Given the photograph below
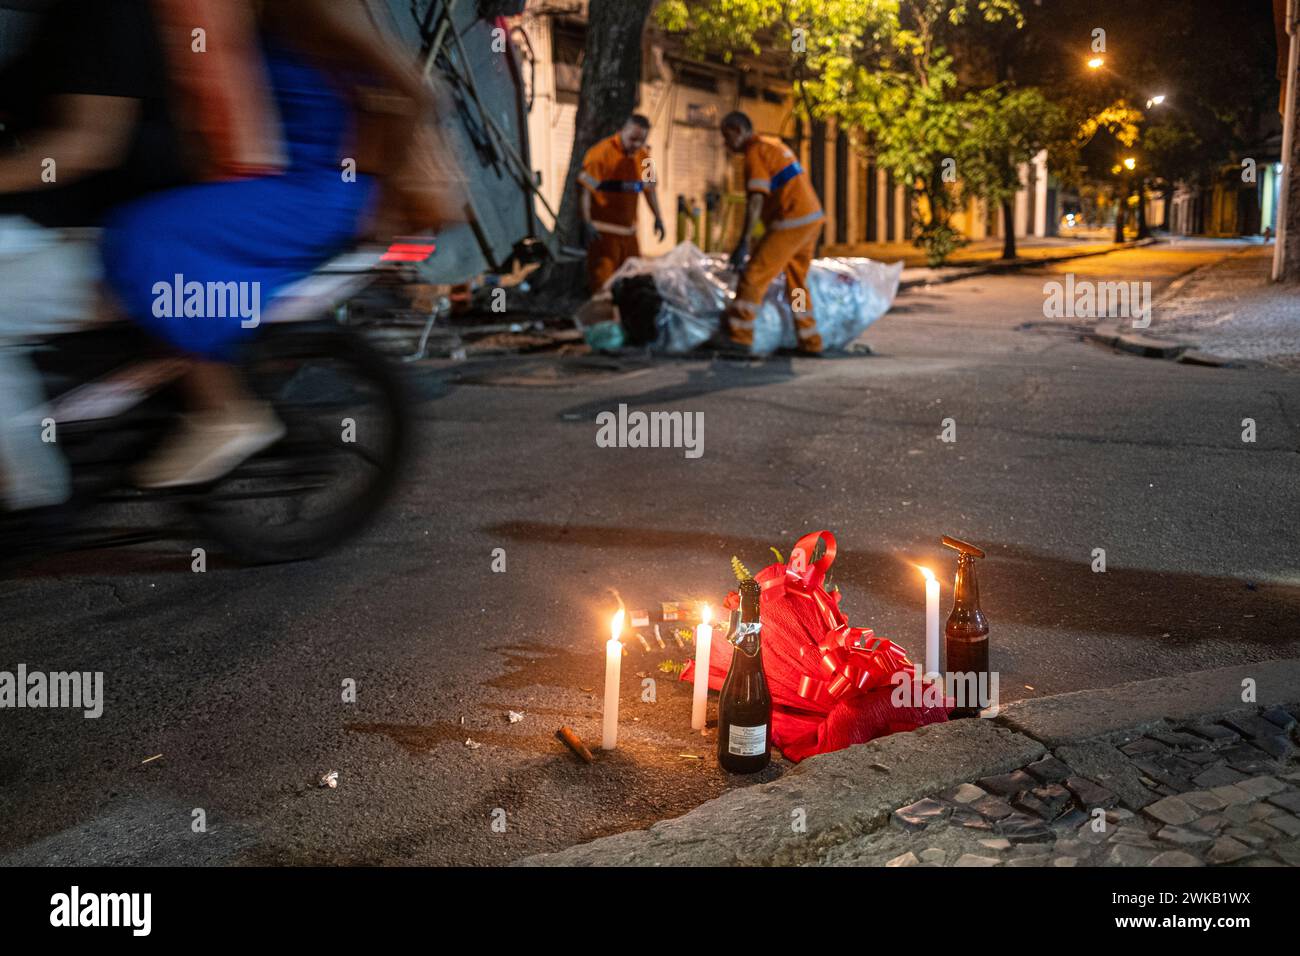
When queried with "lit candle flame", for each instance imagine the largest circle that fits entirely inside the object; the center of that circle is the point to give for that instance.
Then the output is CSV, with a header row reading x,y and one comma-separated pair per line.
x,y
929,575
706,615
616,625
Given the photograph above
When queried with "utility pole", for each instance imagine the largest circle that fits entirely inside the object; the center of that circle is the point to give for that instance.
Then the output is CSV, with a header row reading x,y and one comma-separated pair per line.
x,y
1286,251
1143,231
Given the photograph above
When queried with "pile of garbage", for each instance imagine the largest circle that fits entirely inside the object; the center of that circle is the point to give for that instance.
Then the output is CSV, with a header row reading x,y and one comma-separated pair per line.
x,y
675,303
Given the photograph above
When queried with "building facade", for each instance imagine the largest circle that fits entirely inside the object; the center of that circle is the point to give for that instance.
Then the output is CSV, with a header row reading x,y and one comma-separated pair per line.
x,y
1229,206
685,100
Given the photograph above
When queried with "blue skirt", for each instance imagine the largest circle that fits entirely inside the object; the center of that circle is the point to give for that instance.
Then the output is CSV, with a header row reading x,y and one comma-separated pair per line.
x,y
261,234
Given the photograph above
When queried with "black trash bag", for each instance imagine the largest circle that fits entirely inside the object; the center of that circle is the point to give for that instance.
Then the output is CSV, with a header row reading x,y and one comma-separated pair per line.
x,y
638,304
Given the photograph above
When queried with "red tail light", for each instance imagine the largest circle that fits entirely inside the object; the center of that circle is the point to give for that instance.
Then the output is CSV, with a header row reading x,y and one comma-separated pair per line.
x,y
409,252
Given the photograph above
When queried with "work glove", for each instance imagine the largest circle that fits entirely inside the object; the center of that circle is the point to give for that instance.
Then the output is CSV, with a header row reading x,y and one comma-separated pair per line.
x,y
589,235
660,232
740,256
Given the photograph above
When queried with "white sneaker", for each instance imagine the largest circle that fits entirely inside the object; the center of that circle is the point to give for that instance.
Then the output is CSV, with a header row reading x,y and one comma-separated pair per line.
x,y
210,445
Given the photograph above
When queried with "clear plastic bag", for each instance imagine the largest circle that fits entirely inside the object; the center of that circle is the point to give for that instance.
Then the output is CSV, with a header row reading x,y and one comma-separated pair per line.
x,y
848,295
680,331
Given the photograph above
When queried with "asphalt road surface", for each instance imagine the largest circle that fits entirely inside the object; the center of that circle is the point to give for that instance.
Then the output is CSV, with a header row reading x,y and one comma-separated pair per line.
x,y
232,680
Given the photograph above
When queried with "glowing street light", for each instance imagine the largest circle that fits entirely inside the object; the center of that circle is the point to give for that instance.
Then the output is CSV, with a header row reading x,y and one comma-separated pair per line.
x,y
1130,163
1096,63
1156,100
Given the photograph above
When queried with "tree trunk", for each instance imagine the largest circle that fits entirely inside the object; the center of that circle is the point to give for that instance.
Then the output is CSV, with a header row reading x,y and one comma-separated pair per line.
x,y
1119,216
1008,229
611,78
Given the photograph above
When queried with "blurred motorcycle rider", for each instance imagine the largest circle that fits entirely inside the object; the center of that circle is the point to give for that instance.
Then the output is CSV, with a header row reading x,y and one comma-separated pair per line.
x,y
346,105
86,126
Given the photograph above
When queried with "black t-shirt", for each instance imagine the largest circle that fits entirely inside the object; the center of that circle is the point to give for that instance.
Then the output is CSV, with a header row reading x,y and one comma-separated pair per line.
x,y
94,48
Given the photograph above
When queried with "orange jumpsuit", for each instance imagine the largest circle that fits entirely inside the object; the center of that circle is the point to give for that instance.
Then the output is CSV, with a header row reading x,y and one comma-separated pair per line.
x,y
615,180
792,217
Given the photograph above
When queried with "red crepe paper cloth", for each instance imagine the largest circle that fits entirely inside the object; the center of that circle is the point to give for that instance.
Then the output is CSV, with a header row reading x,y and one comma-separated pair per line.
x,y
831,684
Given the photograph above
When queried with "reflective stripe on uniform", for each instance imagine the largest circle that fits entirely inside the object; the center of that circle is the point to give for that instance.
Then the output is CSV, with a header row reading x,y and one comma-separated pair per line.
x,y
759,185
801,221
588,180
787,174
808,331
614,230
745,305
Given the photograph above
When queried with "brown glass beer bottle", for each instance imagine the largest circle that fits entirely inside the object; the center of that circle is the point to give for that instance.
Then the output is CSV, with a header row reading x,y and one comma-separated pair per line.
x,y
745,704
966,644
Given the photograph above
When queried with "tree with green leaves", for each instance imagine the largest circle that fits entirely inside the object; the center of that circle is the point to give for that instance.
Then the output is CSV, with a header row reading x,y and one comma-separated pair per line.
x,y
883,66
1002,129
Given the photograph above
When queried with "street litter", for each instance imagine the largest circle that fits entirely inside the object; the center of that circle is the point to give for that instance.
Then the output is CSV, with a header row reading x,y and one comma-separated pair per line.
x,y
150,759
674,303
472,744
571,740
514,716
330,780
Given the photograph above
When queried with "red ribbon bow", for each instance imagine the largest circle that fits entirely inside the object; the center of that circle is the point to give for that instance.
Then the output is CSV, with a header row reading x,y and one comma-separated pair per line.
x,y
849,660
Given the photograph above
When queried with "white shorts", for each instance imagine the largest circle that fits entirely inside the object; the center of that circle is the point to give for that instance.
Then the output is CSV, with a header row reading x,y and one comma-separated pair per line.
x,y
49,284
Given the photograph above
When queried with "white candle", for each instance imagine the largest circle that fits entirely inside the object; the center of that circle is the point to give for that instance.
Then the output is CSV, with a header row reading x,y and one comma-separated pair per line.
x,y
703,641
613,667
931,624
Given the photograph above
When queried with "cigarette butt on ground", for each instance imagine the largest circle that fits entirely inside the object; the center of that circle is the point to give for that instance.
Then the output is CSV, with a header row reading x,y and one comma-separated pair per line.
x,y
574,743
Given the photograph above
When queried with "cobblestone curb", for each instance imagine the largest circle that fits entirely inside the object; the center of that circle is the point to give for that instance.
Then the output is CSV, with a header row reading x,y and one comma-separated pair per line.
x,y
1201,793
825,800
1067,718
1170,772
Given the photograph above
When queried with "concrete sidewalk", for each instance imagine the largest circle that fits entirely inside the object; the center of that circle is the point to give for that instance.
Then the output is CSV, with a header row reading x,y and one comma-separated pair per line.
x,y
985,257
1225,313
978,252
1233,310
1175,771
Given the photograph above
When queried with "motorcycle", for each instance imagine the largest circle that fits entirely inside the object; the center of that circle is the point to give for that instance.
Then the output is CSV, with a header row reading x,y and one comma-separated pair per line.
x,y
113,398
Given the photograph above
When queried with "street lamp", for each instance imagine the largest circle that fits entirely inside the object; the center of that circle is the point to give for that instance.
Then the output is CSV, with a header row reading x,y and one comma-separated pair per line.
x,y
1156,100
1130,163
1096,63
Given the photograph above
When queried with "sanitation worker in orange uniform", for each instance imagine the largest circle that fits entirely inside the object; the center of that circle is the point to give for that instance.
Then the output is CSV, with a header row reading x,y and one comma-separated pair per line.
x,y
614,173
781,195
